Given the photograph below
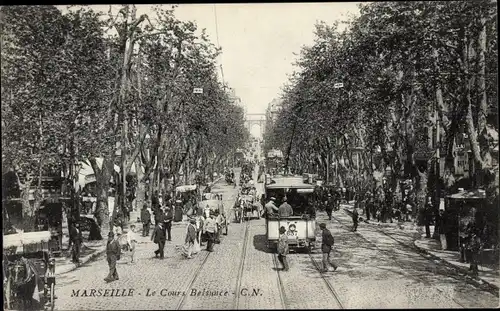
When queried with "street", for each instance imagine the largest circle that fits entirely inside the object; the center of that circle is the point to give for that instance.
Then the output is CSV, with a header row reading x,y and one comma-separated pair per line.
x,y
365,133
377,269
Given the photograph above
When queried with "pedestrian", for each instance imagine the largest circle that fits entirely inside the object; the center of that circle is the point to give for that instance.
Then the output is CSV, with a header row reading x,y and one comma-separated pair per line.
x,y
159,215
285,210
475,248
190,238
441,227
329,207
283,248
158,237
75,235
428,217
131,242
271,208
210,227
355,218
146,220
218,221
368,205
113,253
326,247
169,216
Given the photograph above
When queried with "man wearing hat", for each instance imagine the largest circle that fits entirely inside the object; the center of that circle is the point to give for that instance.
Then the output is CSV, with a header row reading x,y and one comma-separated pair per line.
x,y
113,253
329,206
190,237
158,237
210,227
283,248
169,216
285,210
326,247
146,220
271,208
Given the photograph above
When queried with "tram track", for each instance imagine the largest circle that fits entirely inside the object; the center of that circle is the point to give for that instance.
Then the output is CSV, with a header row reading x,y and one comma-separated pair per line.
x,y
392,256
283,298
182,301
239,277
330,287
194,278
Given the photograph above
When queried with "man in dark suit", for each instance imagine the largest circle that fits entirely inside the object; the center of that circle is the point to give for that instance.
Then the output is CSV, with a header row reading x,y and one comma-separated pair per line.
x,y
169,216
326,248
75,235
113,253
146,220
158,237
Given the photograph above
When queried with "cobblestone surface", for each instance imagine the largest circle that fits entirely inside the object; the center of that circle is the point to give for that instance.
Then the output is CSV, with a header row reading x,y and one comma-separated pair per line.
x,y
259,272
376,270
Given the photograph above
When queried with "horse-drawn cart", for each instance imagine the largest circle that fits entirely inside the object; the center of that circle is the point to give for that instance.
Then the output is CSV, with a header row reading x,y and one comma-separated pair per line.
x,y
251,209
29,270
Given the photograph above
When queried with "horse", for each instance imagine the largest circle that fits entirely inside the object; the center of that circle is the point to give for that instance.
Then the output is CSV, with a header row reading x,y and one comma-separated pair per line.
x,y
22,280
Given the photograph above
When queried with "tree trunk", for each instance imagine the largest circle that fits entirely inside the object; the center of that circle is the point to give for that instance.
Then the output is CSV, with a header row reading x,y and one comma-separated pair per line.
x,y
103,178
140,195
28,224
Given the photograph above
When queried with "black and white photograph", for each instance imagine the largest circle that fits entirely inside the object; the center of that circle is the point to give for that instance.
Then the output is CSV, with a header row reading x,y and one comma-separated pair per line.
x,y
241,156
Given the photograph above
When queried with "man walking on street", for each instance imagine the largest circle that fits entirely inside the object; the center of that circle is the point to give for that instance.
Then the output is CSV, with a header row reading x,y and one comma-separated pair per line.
x,y
210,228
146,220
132,242
475,248
326,248
158,237
76,237
285,210
169,216
190,237
218,221
355,218
283,248
113,253
441,226
428,210
329,207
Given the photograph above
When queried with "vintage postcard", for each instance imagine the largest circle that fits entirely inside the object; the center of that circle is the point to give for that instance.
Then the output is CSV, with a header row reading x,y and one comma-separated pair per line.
x,y
250,156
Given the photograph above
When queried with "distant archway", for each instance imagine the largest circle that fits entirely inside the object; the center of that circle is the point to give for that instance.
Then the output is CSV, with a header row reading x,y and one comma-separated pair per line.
x,y
256,130
253,119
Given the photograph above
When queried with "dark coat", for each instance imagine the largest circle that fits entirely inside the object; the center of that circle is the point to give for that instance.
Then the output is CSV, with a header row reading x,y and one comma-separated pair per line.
x,y
75,235
355,215
169,216
327,241
159,235
113,250
145,216
191,234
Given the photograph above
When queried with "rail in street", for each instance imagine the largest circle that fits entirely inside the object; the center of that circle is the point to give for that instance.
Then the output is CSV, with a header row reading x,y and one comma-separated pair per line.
x,y
377,268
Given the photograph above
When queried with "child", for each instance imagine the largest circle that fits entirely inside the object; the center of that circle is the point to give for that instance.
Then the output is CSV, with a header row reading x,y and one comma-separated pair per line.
x,y
131,241
283,248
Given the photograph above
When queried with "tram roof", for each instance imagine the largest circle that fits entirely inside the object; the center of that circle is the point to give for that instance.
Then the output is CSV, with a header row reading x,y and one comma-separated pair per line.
x,y
288,182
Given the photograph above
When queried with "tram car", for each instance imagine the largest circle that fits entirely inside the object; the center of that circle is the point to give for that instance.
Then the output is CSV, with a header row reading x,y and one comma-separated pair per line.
x,y
301,226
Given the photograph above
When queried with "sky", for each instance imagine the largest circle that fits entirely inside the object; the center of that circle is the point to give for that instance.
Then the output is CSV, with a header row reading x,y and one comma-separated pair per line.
x,y
259,41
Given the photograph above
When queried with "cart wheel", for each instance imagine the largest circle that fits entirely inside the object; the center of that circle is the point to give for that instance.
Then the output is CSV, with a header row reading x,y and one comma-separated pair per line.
x,y
52,302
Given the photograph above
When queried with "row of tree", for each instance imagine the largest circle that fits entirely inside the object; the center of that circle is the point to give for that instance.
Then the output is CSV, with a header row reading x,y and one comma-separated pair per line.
x,y
418,77
86,85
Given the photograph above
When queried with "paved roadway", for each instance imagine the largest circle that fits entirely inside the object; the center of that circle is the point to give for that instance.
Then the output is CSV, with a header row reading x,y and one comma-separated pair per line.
x,y
377,269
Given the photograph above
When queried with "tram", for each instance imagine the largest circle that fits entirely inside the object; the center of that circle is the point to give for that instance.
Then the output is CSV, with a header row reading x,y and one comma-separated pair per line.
x,y
301,226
